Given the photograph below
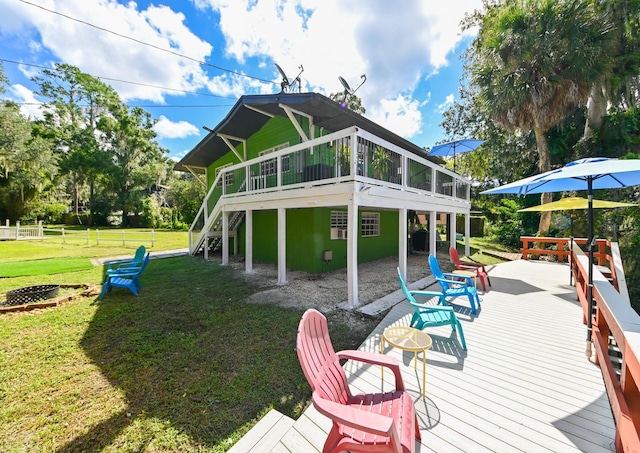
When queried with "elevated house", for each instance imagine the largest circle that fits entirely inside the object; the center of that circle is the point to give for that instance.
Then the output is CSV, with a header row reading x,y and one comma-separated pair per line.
x,y
296,180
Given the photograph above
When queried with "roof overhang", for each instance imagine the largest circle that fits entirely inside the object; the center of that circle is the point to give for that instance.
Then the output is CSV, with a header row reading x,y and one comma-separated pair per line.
x,y
251,112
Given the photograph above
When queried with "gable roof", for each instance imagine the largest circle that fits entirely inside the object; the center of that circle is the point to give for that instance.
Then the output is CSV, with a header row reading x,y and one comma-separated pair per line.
x,y
243,121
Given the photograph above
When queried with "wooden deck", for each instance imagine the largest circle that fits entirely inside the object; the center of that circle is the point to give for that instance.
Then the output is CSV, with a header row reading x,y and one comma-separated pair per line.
x,y
523,385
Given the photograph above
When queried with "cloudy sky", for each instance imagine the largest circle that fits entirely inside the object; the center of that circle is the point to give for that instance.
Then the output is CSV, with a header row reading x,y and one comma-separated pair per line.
x,y
187,61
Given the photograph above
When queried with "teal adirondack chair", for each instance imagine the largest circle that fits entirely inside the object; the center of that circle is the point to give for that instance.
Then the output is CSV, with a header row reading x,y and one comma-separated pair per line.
x,y
128,278
431,315
121,265
455,285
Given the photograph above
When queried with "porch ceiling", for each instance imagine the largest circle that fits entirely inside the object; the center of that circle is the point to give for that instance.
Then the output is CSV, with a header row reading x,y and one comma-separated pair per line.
x,y
242,122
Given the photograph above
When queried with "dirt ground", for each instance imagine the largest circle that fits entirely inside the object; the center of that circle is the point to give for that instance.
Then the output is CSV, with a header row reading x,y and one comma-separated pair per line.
x,y
326,291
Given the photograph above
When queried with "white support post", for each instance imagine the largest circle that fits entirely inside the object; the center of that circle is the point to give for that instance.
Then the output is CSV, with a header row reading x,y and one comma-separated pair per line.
x,y
88,234
40,230
282,246
433,231
225,238
97,237
124,242
64,241
153,237
248,253
352,255
452,229
467,234
402,241
17,230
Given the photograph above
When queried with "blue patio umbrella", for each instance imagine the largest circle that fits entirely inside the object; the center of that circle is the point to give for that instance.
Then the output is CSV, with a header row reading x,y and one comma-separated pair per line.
x,y
584,174
456,146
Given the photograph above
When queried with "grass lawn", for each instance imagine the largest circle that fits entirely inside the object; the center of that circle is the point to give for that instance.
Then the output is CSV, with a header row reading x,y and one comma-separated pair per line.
x,y
188,365
54,247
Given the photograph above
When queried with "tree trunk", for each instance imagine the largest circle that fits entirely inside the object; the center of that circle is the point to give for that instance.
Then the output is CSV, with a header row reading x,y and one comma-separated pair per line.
x,y
544,165
596,109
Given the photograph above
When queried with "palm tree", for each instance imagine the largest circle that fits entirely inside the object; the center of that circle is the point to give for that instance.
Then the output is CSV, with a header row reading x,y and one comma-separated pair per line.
x,y
534,62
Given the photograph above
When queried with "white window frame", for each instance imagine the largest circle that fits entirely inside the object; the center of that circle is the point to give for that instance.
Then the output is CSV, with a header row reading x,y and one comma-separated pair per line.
x,y
339,222
269,167
370,224
228,177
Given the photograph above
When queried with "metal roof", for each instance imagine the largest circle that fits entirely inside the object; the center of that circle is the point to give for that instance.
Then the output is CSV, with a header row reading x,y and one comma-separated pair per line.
x,y
243,121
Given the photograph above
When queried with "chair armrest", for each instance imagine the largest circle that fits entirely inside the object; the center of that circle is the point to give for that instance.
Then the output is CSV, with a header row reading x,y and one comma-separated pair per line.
x,y
473,264
355,418
455,278
375,359
130,272
432,307
426,293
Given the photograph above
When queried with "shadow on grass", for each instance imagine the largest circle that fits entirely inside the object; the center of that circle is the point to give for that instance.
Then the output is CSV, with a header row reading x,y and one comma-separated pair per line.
x,y
189,353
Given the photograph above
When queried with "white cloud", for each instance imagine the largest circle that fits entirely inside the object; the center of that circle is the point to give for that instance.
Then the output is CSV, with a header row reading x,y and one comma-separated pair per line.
x,y
447,103
104,54
396,47
30,104
401,115
165,128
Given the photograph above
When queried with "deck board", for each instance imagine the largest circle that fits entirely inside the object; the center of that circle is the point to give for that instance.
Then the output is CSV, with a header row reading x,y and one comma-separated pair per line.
x,y
524,384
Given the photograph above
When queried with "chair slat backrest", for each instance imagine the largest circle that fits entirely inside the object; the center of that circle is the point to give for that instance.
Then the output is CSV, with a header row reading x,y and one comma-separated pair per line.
x,y
318,359
404,288
455,258
437,272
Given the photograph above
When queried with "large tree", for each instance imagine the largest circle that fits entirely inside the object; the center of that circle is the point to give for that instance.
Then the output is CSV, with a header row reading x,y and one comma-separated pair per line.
x,y
620,90
534,62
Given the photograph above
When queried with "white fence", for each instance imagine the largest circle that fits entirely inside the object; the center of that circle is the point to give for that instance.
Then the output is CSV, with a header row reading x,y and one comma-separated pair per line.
x,y
20,232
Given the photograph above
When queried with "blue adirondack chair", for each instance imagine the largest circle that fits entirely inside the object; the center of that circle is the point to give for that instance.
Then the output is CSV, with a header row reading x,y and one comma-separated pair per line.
x,y
455,285
121,265
431,315
128,278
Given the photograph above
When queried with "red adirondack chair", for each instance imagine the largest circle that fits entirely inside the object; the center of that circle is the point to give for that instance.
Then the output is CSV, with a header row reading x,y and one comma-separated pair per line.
x,y
379,422
470,266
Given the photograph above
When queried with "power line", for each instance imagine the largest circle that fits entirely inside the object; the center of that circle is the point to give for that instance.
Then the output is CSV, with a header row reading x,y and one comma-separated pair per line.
x,y
125,81
200,62
141,106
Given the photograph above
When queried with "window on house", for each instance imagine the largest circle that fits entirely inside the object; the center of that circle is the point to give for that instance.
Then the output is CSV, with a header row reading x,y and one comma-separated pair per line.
x,y
370,224
228,177
339,224
269,167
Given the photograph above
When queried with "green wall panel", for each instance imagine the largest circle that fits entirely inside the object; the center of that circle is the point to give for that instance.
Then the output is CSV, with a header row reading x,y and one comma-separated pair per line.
x,y
309,235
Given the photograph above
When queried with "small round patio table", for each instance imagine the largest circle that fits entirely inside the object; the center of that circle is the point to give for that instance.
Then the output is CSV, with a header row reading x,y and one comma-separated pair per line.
x,y
472,274
408,339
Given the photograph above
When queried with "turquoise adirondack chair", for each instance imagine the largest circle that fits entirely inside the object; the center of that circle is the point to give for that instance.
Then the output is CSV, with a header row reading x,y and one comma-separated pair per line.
x,y
128,278
121,265
431,315
455,285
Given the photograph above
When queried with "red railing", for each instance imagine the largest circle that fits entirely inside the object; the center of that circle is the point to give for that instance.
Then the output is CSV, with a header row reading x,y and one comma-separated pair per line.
x,y
615,327
560,248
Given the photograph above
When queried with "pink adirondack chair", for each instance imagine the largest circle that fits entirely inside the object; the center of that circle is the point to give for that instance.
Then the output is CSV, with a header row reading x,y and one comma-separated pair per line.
x,y
378,422
470,266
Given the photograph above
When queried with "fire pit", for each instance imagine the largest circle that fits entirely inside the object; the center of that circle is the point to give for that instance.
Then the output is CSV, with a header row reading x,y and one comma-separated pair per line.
x,y
31,294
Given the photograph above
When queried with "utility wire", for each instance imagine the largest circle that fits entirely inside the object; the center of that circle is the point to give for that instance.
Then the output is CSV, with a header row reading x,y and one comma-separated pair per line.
x,y
124,81
200,62
141,106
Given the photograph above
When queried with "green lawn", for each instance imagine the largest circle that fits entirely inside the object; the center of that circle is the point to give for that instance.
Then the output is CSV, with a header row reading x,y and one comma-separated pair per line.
x,y
187,366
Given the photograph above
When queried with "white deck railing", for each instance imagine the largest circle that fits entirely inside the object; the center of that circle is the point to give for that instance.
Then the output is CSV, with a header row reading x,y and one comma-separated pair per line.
x,y
329,160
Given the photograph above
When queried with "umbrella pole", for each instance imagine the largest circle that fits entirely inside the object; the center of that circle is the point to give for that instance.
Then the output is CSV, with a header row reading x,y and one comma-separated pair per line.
x,y
590,249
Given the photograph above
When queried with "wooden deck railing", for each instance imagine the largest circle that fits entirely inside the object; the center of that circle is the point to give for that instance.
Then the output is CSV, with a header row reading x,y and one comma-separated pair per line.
x,y
615,327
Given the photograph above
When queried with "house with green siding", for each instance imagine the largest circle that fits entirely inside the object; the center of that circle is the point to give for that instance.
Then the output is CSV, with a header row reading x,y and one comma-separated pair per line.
x,y
296,180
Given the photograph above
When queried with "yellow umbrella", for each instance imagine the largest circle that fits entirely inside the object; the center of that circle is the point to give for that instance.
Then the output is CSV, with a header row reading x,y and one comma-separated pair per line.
x,y
570,203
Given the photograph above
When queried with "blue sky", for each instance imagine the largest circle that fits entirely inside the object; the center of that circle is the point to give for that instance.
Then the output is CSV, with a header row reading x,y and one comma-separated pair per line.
x,y
152,53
